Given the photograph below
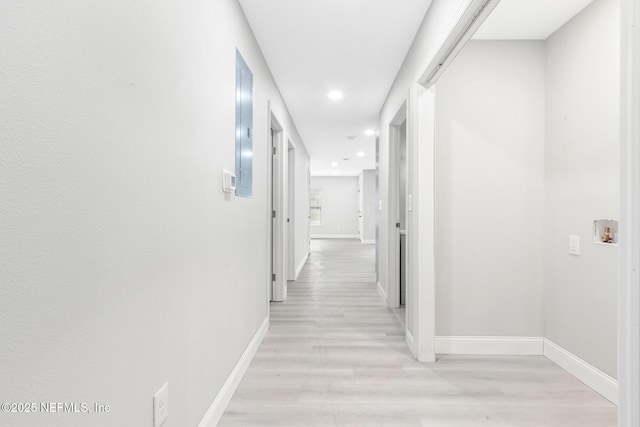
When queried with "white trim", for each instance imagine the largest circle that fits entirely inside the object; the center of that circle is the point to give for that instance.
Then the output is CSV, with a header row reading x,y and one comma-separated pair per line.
x,y
439,46
272,238
335,236
467,19
369,241
290,241
301,265
421,251
629,286
497,346
217,408
382,293
279,204
409,339
585,372
531,346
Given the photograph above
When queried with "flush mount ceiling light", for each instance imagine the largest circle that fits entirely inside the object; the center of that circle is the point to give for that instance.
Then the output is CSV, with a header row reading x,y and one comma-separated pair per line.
x,y
360,154
335,95
334,164
369,132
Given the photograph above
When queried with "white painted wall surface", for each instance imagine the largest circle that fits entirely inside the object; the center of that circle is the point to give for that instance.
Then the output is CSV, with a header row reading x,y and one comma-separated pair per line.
x,y
369,204
123,265
302,205
339,201
582,183
489,190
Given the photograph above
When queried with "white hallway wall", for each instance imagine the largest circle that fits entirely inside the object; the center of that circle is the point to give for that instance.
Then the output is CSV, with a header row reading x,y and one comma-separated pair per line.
x,y
583,183
123,265
490,121
339,200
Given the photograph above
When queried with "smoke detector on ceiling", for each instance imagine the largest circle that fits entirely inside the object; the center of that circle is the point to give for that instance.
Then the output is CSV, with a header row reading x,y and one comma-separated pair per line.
x,y
351,138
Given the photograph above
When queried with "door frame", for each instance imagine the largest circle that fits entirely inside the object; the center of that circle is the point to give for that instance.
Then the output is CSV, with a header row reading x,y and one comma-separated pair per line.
x,y
629,286
421,256
393,249
291,210
277,258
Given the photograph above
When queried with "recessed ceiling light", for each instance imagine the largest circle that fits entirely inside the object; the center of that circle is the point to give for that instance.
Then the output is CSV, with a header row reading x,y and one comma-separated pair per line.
x,y
335,95
369,132
334,164
360,153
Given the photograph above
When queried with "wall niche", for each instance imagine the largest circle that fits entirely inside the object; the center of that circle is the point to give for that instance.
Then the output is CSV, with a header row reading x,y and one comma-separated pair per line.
x,y
605,232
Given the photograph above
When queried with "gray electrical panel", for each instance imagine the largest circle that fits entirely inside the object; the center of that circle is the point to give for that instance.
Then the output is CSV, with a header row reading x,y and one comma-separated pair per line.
x,y
244,128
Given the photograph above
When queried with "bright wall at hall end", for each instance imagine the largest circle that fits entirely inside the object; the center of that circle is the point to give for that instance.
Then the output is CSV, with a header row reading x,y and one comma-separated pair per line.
x,y
123,264
339,206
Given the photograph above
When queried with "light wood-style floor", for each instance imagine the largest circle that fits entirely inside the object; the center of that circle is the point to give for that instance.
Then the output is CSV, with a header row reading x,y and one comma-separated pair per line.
x,y
335,356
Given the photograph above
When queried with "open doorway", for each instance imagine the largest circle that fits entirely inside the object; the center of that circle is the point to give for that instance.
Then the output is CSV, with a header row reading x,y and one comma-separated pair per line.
x,y
402,211
398,211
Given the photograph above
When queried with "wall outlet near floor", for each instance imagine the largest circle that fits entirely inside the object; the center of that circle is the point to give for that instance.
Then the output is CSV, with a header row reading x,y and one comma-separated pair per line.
x,y
574,245
161,406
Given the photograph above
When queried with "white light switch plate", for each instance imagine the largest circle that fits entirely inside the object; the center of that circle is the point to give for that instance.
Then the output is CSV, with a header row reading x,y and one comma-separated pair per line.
x,y
161,406
574,245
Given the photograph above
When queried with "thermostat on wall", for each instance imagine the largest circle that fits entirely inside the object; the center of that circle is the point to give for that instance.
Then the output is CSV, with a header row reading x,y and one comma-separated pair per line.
x,y
228,181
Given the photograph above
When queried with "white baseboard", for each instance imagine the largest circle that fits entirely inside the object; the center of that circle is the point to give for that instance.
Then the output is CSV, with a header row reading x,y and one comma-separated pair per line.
x,y
582,370
510,346
217,408
335,236
383,294
301,265
369,241
532,346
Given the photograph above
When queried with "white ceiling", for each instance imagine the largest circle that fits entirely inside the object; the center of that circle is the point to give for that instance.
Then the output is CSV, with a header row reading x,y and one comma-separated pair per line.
x,y
355,46
528,19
